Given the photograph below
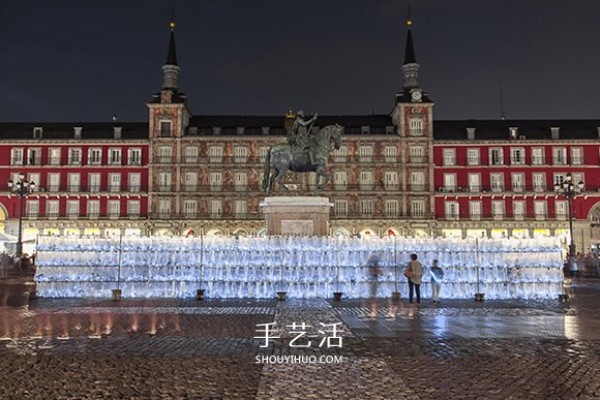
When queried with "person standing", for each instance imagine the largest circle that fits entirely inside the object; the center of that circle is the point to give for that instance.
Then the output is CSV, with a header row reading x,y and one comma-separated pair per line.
x,y
414,274
374,273
437,275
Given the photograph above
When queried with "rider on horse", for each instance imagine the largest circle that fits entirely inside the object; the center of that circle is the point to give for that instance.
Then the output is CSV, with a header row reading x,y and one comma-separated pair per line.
x,y
301,131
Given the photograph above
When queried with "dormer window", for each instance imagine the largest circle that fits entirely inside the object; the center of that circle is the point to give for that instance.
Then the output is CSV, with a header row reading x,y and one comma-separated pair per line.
x,y
265,130
364,130
216,130
193,131
470,133
240,130
38,132
513,133
117,132
77,132
555,133
389,130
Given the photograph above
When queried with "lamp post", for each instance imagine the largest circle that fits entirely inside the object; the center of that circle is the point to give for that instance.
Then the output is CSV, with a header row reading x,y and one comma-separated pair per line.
x,y
569,189
22,188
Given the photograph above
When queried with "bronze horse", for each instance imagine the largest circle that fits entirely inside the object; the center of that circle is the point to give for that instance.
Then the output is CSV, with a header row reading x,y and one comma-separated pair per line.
x,y
283,158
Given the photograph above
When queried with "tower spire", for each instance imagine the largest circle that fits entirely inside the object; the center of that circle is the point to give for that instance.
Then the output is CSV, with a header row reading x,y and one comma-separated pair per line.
x,y
410,69
171,68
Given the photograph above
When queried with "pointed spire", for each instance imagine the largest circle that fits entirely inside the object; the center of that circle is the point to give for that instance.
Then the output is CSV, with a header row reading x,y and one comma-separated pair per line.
x,y
170,68
411,67
171,53
409,55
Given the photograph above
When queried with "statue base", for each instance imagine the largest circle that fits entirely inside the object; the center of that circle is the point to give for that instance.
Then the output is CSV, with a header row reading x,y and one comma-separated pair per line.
x,y
297,216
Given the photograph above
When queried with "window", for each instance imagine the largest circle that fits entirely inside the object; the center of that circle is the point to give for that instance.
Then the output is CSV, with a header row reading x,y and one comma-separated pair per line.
x,y
539,181
164,181
94,182
133,208
240,180
365,153
340,179
134,156
215,180
264,151
190,208
16,157
75,156
559,155
74,181
366,180
576,155
53,182
518,209
32,208
540,209
114,156
391,208
517,156
561,210
390,180
134,182
415,126
451,209
93,208
366,207
73,209
190,181
560,178
215,154
474,183
450,182
164,155
240,154
35,178
518,182
417,208
537,156
390,153
191,154
417,181
114,208
341,155
475,210
340,207
240,208
449,157
34,156
473,157
576,178
165,128
95,156
114,182
497,182
54,156
496,156
498,209
164,208
416,154
52,208
216,207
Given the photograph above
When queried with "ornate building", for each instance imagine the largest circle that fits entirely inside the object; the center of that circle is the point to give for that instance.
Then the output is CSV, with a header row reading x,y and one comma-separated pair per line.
x,y
396,174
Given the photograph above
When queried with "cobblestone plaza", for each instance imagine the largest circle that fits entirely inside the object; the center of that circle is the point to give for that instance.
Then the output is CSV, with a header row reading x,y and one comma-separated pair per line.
x,y
215,349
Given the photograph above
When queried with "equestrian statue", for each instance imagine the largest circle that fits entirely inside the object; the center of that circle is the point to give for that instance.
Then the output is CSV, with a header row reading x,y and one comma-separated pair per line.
x,y
307,150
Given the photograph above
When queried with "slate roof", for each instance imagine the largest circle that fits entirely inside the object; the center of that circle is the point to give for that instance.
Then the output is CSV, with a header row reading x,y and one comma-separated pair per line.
x,y
530,129
65,130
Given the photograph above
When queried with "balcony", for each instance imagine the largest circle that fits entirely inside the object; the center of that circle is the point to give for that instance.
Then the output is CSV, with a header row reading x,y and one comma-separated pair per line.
x,y
54,161
114,188
517,188
164,160
73,188
16,161
190,188
474,188
191,159
134,188
418,187
417,159
539,188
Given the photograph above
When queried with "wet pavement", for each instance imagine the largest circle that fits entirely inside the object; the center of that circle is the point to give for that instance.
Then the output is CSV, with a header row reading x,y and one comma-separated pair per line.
x,y
316,349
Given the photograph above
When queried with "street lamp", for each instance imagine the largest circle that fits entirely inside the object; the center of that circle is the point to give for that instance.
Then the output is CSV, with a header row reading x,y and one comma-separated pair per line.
x,y
569,189
21,188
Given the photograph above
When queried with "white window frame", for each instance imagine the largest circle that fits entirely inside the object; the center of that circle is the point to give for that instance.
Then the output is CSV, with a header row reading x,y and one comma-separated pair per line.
x,y
498,209
475,210
75,156
93,209
392,208
95,156
134,156
538,181
449,157
538,156
517,156
133,208
559,156
496,156
340,207
52,209
17,156
134,182
73,207
417,207
452,210
113,208
519,209
115,156
517,180
473,157
497,182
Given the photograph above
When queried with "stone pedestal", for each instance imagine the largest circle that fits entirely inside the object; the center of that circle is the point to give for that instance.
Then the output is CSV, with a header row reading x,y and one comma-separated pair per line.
x,y
300,216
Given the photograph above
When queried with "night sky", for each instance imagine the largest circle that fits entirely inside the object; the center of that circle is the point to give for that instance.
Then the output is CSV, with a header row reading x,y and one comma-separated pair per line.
x,y
74,60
